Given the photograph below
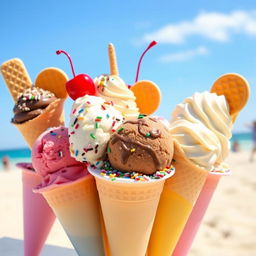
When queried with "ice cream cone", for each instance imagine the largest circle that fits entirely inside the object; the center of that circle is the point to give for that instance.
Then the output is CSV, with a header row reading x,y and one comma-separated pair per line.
x,y
53,116
17,80
176,203
129,210
76,205
186,239
38,217
104,236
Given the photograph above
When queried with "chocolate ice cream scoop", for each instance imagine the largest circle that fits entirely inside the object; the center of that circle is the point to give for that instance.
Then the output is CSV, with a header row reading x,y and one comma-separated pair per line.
x,y
31,103
141,145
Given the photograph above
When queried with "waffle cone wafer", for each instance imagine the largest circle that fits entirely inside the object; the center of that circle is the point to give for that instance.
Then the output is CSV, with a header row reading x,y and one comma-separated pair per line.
x,y
52,116
178,197
16,77
112,60
76,205
236,90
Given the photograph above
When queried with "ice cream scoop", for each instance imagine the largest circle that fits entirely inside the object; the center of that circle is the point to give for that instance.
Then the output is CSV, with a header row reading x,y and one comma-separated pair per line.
x,y
69,190
92,120
141,144
113,88
128,192
31,104
202,126
50,151
17,81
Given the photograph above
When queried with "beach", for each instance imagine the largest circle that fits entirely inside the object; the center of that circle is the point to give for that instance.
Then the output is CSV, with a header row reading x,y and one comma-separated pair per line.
x,y
228,228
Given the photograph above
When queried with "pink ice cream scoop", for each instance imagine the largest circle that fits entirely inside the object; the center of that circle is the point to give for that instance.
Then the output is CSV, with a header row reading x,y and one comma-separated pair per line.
x,y
50,151
52,160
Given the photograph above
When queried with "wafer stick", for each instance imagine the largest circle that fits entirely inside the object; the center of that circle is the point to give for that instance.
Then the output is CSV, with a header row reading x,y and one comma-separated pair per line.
x,y
112,60
16,77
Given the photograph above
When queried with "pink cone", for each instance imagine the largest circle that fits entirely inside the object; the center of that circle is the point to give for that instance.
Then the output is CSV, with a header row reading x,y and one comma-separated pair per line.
x,y
38,217
186,239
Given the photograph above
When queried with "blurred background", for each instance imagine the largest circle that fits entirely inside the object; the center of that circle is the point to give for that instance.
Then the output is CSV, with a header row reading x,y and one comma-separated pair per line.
x,y
197,42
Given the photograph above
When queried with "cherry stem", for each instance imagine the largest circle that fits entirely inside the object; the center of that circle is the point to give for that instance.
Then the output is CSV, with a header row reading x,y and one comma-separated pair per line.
x,y
58,52
153,43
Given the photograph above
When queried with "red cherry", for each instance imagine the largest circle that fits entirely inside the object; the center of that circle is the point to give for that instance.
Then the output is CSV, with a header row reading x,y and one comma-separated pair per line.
x,y
81,84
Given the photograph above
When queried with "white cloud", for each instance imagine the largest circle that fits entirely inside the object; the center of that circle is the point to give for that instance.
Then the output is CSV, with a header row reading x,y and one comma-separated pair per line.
x,y
211,25
184,56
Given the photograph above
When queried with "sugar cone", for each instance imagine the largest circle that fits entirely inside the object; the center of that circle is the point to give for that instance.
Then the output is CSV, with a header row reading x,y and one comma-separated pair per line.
x,y
38,217
76,205
53,116
129,210
17,80
192,225
176,203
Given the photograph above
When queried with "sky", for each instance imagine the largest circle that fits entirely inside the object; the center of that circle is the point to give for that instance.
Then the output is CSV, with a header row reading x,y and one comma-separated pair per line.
x,y
198,41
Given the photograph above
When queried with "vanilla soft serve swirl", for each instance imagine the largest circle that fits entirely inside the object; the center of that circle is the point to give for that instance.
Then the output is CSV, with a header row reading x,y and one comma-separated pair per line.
x,y
202,125
113,88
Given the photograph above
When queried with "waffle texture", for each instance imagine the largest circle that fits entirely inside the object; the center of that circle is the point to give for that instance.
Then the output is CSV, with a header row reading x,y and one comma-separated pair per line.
x,y
16,77
188,179
236,90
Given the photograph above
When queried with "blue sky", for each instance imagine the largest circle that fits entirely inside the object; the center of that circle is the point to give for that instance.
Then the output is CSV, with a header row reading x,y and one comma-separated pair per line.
x,y
197,42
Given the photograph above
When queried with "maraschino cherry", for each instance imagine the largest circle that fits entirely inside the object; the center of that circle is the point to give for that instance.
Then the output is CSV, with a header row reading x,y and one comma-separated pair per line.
x,y
81,84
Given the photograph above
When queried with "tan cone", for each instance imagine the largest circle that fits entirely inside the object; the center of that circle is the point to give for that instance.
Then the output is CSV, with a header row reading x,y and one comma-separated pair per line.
x,y
17,80
178,197
129,210
53,116
76,205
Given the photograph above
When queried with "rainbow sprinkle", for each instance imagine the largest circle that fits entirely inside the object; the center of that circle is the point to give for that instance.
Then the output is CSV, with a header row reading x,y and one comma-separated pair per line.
x,y
109,172
120,129
141,116
92,136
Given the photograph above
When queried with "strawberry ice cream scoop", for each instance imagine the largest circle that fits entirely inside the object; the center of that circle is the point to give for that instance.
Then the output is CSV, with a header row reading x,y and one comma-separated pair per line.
x,y
50,151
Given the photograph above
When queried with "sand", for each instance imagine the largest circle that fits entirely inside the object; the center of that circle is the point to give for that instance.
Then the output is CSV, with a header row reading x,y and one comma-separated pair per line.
x,y
229,227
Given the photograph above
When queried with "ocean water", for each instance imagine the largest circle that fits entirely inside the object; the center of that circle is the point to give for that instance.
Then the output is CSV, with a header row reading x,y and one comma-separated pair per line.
x,y
24,154
244,140
15,156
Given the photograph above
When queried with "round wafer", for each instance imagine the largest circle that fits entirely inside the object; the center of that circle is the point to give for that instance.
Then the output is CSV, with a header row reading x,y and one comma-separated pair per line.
x,y
53,80
236,90
148,96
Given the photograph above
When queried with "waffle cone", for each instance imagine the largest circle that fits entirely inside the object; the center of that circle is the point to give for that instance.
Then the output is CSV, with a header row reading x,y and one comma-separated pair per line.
x,y
197,215
52,116
176,203
76,205
129,210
